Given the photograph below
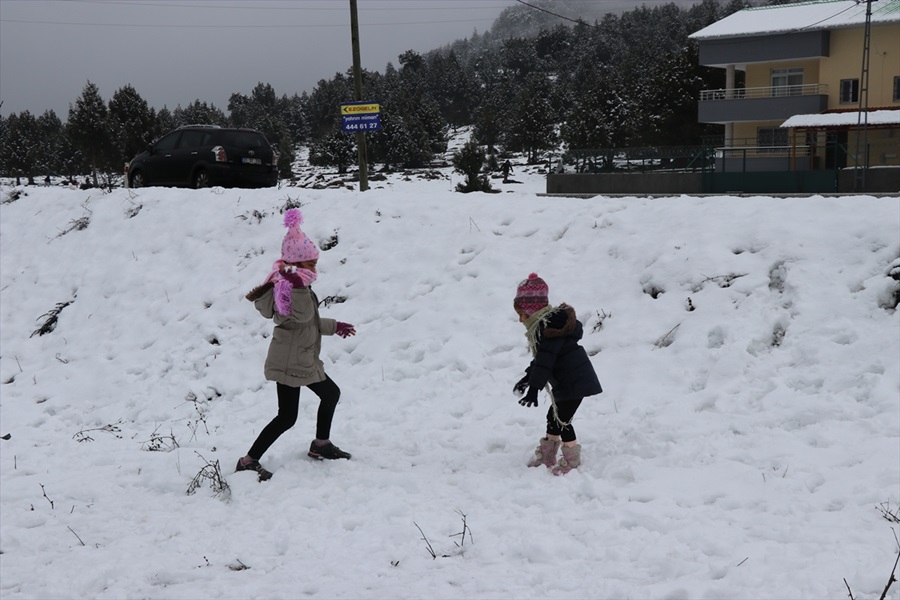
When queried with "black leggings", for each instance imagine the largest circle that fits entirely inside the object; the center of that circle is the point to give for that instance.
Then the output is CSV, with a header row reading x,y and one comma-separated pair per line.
x,y
288,406
566,411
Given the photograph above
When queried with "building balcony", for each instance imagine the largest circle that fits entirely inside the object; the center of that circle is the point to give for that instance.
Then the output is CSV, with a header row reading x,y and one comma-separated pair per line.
x,y
743,50
761,103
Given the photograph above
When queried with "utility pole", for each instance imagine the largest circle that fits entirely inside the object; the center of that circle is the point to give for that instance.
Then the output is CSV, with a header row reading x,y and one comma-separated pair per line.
x,y
862,120
357,89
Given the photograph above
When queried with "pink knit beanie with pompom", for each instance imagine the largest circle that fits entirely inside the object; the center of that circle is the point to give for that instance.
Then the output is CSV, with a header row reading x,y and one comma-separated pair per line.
x,y
296,247
531,295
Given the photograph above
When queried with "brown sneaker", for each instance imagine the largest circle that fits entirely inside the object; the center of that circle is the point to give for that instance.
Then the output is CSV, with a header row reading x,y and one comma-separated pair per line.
x,y
327,452
253,465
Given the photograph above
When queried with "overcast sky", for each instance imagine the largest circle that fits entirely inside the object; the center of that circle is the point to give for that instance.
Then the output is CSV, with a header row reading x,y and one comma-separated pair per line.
x,y
177,51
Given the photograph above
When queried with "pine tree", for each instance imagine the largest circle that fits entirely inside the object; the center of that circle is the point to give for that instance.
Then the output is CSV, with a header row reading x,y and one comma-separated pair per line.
x,y
131,124
199,113
585,128
21,145
469,160
324,105
165,122
51,144
87,127
453,87
336,150
293,114
530,124
4,126
268,114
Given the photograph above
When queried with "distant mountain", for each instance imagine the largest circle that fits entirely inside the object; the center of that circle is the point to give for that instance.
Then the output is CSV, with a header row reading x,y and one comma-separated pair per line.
x,y
528,17
533,15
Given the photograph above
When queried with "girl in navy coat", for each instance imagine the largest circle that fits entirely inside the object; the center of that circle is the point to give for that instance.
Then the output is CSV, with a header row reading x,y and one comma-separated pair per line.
x,y
553,333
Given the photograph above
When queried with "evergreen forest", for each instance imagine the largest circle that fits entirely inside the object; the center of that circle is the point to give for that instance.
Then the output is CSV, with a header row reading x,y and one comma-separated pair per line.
x,y
531,84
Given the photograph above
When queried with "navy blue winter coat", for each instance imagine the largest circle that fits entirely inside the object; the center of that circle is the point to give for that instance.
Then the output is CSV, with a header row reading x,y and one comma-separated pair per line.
x,y
560,360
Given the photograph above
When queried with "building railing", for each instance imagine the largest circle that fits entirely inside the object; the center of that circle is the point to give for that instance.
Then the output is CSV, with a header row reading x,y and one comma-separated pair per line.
x,y
653,158
766,151
806,89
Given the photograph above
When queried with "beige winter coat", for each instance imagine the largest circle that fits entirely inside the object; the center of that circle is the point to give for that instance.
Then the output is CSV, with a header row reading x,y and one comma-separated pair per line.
x,y
293,357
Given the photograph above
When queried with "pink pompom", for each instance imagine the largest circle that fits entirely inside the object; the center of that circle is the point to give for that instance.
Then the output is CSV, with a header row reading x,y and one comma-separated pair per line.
x,y
533,276
293,217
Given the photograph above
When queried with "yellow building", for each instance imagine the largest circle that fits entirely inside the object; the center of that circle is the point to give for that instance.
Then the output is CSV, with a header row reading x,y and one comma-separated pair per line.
x,y
813,95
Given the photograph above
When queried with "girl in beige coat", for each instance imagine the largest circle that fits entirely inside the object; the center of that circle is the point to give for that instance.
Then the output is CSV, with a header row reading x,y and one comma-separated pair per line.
x,y
293,359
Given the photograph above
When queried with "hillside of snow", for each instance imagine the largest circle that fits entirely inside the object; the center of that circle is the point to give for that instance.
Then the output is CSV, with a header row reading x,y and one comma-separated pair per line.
x,y
746,445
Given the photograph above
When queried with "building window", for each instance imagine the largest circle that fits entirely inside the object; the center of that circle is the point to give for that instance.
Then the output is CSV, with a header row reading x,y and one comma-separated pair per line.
x,y
897,89
849,91
787,82
771,139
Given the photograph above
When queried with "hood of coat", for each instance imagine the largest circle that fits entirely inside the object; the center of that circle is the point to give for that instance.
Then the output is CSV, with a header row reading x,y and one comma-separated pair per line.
x,y
562,323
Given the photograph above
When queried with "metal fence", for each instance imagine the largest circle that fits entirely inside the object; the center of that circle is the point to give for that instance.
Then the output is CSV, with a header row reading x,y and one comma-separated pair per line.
x,y
821,164
651,158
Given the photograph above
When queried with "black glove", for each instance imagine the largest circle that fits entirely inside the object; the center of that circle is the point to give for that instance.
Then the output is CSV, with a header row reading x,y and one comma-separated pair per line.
x,y
530,398
521,386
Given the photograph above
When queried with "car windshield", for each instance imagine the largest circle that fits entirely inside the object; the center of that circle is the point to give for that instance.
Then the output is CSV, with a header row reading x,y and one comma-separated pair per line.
x,y
244,139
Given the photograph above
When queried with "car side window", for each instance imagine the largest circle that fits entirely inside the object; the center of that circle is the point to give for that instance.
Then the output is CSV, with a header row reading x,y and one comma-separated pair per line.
x,y
191,139
167,143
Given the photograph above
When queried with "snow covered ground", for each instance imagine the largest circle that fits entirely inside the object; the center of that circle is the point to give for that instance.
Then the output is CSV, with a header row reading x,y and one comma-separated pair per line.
x,y
747,444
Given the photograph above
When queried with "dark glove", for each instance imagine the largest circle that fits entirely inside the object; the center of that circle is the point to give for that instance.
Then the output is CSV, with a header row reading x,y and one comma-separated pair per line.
x,y
530,398
521,386
345,330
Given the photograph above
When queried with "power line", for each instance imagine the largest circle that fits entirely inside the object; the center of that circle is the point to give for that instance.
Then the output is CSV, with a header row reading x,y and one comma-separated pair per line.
x,y
242,26
257,6
544,10
827,18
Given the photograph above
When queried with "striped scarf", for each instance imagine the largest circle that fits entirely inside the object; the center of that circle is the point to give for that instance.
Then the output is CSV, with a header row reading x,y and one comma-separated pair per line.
x,y
532,324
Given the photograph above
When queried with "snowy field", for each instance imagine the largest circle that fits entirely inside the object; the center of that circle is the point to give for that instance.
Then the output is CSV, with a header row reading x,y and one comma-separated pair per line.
x,y
747,444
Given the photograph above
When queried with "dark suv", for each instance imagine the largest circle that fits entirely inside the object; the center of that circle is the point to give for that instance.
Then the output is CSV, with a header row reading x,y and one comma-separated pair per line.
x,y
203,155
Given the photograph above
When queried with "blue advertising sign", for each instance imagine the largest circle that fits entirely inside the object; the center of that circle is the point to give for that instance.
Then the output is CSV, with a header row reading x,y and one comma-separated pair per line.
x,y
360,116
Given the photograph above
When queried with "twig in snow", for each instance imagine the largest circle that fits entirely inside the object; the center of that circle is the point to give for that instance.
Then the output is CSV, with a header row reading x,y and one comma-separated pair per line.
x,y
76,535
427,543
666,340
52,319
465,530
891,579
213,473
46,496
887,513
239,566
849,591
723,281
601,316
112,428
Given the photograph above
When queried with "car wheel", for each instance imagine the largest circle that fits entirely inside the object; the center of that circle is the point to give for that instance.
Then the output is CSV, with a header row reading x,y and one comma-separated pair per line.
x,y
201,179
137,179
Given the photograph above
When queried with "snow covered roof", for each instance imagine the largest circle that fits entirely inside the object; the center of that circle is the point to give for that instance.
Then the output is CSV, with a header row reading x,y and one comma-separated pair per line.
x,y
804,16
876,117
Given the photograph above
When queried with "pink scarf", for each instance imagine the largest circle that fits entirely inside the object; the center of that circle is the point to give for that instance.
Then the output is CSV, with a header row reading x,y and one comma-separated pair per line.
x,y
285,277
